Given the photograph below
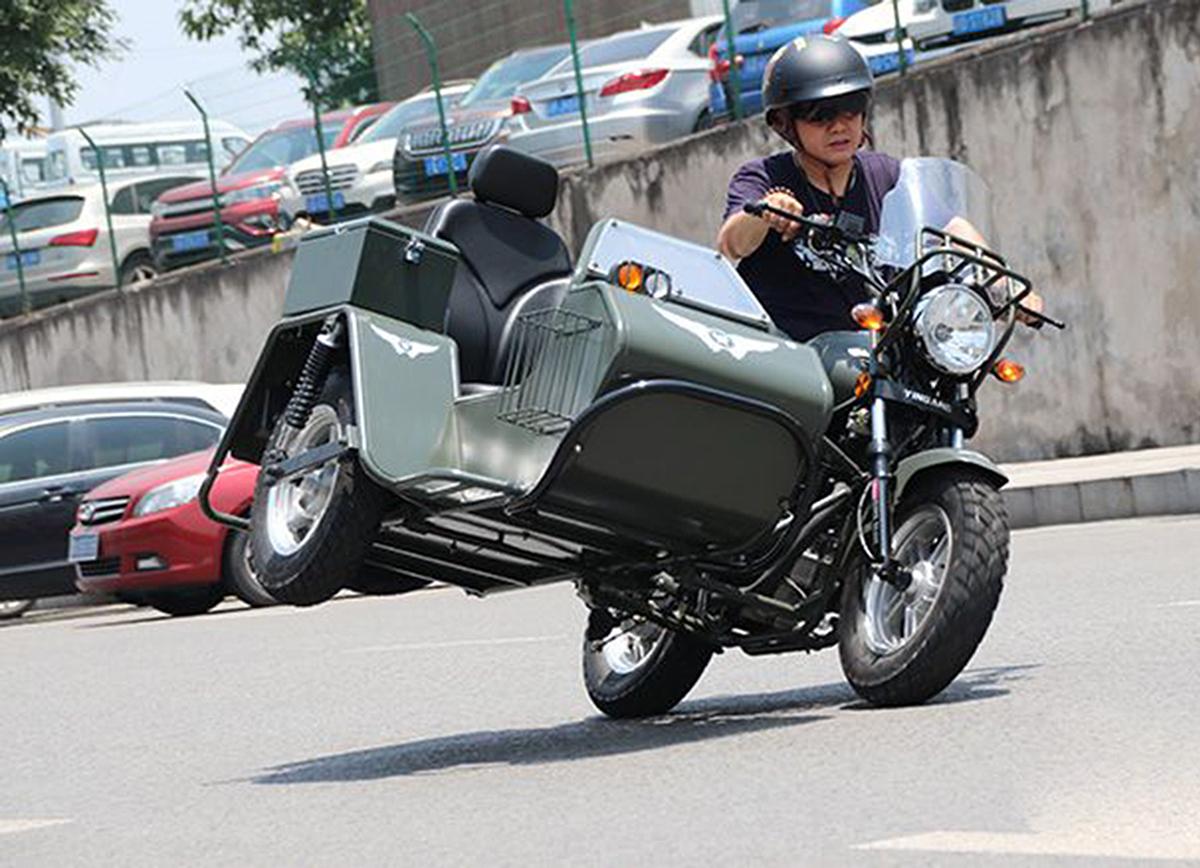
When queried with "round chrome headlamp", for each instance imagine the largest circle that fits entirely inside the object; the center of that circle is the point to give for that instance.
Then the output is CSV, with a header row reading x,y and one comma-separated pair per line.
x,y
956,328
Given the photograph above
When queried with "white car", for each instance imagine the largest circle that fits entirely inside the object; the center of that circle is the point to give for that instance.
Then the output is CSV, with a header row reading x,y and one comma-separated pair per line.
x,y
222,398
64,242
360,174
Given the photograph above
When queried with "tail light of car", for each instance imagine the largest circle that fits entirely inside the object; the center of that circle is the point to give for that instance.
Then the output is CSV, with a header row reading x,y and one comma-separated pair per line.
x,y
833,24
82,238
520,105
643,79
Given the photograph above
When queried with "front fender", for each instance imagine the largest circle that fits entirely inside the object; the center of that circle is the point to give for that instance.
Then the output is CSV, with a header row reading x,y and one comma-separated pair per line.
x,y
931,459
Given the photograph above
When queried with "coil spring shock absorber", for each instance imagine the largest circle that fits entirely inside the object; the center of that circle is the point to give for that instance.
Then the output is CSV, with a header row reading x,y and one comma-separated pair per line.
x,y
312,377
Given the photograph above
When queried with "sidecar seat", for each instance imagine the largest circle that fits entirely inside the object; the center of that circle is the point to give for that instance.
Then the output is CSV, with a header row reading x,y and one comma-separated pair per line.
x,y
510,264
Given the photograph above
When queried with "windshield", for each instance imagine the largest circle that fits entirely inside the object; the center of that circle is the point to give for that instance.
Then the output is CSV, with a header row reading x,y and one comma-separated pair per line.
x,y
699,276
43,213
504,76
753,15
620,49
930,192
282,147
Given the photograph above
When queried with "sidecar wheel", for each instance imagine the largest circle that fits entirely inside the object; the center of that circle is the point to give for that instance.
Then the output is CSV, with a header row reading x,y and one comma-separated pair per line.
x,y
904,647
309,533
638,668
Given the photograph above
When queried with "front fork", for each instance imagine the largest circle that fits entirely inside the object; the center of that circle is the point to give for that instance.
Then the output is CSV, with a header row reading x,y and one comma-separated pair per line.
x,y
880,454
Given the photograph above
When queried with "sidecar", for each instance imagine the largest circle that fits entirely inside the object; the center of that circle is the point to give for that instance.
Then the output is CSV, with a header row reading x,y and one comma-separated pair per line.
x,y
465,405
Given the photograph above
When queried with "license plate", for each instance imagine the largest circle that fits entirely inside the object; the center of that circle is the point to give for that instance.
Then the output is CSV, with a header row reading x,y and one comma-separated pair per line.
x,y
189,241
437,165
881,64
978,20
563,105
319,203
83,547
28,258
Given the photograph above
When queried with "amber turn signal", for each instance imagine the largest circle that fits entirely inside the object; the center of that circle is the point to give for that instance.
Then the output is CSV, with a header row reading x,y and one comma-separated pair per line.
x,y
862,384
868,316
1008,371
629,276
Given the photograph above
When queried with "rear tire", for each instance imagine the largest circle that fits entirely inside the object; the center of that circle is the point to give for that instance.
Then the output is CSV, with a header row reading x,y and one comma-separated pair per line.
x,y
190,601
902,648
648,673
138,268
309,534
239,575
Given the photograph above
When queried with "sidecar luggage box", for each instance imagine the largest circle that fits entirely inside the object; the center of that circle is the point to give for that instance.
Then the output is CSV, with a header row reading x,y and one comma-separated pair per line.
x,y
375,264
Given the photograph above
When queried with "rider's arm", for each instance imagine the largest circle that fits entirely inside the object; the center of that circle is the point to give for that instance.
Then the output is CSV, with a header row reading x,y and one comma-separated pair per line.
x,y
964,229
742,233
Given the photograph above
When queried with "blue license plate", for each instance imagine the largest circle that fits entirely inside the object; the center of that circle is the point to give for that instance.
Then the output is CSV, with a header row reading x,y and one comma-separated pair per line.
x,y
29,258
185,241
563,105
437,165
882,64
979,20
319,202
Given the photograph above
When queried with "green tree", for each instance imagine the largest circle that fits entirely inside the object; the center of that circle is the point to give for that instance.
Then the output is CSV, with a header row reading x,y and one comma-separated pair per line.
x,y
327,42
39,42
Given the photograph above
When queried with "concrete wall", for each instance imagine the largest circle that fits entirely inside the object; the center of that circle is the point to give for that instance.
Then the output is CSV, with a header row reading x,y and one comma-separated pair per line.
x,y
1089,135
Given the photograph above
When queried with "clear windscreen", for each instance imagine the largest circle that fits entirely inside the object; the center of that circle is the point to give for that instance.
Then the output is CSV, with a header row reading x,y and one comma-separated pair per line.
x,y
930,192
699,275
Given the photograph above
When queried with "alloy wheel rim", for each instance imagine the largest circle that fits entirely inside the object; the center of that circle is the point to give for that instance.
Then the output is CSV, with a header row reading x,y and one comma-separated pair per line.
x,y
924,545
297,504
629,646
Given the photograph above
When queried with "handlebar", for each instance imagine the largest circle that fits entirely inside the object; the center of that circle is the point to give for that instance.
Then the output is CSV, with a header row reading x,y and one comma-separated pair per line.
x,y
760,208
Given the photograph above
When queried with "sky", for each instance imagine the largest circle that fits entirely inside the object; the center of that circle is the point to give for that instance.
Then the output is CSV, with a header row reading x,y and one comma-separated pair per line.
x,y
146,83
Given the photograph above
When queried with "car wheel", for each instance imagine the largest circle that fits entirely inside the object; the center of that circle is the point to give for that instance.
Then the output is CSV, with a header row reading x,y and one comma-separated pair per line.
x,y
189,601
138,268
12,609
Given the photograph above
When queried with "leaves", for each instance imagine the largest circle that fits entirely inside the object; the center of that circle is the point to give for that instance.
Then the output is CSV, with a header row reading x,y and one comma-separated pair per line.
x,y
326,42
40,42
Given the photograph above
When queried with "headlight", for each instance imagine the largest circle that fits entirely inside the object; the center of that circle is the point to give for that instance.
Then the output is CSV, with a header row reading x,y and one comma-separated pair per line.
x,y
957,329
169,496
272,189
157,209
381,166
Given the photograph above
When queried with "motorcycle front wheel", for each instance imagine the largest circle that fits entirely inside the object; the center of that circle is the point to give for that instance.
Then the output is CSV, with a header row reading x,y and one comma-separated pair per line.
x,y
902,647
310,532
635,668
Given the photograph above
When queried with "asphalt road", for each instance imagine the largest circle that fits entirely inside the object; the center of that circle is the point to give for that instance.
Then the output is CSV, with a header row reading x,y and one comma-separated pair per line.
x,y
438,729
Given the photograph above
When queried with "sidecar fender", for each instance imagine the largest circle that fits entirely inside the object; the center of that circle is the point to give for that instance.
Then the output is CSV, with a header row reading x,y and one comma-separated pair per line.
x,y
914,466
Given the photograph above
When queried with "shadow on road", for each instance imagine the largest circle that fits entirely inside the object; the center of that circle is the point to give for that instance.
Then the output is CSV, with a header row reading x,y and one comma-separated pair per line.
x,y
700,720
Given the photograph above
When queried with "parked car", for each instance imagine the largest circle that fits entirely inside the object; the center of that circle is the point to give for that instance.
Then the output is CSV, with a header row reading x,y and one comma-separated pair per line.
x,y
170,148
642,87
54,453
933,23
183,231
143,537
480,120
761,28
64,242
360,174
23,168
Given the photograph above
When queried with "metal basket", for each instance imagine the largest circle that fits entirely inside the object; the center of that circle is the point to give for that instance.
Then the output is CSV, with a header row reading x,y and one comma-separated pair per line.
x,y
553,371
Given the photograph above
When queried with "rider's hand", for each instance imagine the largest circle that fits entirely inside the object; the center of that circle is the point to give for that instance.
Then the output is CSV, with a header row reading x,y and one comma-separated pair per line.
x,y
1033,301
784,201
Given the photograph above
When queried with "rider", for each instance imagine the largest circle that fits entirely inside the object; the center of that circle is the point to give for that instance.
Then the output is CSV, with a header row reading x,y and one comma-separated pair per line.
x,y
816,94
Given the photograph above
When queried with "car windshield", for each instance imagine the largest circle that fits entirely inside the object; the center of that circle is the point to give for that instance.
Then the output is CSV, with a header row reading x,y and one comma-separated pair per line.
x,y
621,48
504,76
281,147
753,15
699,275
43,213
930,192
392,124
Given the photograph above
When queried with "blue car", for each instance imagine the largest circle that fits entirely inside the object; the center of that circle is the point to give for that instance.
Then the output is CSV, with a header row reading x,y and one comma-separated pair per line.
x,y
762,26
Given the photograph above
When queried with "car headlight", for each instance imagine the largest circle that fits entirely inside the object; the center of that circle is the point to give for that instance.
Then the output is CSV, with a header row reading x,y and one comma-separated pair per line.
x,y
170,495
157,209
272,189
957,329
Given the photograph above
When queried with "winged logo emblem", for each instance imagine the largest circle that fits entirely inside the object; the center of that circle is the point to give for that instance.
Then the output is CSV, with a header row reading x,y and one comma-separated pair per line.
x,y
738,346
403,346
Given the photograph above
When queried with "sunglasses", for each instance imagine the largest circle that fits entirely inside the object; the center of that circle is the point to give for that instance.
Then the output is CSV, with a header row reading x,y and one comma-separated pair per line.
x,y
822,111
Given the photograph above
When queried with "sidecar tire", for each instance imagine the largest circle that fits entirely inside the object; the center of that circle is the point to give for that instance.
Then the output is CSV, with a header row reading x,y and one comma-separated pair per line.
x,y
330,557
942,644
656,687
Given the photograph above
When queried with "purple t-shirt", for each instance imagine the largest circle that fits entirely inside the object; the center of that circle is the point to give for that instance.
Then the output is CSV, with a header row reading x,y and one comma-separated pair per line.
x,y
803,300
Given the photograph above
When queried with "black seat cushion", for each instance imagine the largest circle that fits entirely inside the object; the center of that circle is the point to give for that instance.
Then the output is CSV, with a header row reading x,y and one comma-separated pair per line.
x,y
524,183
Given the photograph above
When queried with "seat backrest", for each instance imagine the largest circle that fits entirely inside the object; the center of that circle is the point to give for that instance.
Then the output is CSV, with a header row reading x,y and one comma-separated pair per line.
x,y
506,254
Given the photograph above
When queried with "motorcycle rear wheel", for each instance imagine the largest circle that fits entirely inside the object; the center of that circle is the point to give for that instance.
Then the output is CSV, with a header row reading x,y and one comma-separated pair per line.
x,y
904,647
639,669
310,532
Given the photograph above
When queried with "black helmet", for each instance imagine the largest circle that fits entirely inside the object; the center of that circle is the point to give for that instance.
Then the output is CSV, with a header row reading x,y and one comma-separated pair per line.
x,y
811,68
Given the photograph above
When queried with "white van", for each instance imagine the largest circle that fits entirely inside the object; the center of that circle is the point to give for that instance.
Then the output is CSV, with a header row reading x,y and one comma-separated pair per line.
x,y
140,149
23,167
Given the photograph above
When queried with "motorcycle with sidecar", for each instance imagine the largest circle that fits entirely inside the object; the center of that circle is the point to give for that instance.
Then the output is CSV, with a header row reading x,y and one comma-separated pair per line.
x,y
465,405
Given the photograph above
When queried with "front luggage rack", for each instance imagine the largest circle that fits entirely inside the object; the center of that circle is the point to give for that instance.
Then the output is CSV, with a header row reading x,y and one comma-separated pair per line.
x,y
553,371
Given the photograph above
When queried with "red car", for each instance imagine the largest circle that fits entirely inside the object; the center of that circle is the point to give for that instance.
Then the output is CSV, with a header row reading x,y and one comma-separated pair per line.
x,y
183,231
143,538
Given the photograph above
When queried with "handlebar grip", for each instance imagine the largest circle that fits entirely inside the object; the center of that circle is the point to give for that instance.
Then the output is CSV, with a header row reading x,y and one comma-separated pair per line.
x,y
755,208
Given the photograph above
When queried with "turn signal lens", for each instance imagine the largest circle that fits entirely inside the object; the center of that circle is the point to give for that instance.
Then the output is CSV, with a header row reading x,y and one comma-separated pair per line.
x,y
1008,371
862,384
629,276
868,316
